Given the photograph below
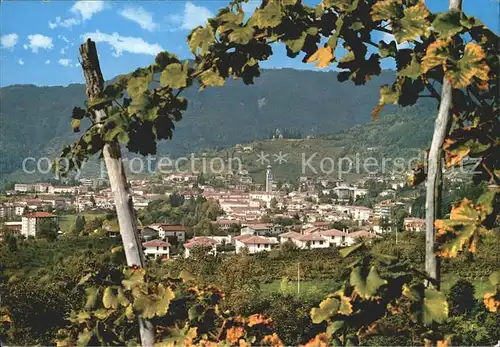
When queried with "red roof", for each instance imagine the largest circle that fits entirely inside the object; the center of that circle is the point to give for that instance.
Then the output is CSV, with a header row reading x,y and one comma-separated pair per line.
x,y
200,241
254,240
40,214
156,243
312,237
333,232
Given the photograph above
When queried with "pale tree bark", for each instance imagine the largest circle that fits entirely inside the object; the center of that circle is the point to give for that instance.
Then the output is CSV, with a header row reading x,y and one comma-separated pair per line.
x,y
117,179
434,173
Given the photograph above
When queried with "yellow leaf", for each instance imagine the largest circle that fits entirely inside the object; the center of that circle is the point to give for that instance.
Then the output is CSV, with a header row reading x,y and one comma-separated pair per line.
x,y
434,56
322,57
383,10
490,302
471,65
272,340
233,334
320,340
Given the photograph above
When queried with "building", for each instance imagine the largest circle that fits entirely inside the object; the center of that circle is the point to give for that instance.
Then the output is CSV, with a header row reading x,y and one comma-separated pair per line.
x,y
168,231
31,222
256,229
334,237
269,179
384,210
201,241
254,244
312,241
23,188
7,211
354,237
414,224
157,249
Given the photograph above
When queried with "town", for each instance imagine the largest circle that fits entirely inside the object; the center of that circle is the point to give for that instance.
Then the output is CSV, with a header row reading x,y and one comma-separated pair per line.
x,y
310,213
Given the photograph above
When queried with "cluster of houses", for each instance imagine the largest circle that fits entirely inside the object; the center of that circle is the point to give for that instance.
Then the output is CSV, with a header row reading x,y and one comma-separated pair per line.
x,y
253,238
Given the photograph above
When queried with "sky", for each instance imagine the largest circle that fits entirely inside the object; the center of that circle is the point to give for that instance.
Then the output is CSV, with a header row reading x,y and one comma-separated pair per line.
x,y
40,39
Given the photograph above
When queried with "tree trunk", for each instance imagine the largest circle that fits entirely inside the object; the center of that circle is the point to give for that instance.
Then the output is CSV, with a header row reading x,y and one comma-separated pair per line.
x,y
117,179
434,174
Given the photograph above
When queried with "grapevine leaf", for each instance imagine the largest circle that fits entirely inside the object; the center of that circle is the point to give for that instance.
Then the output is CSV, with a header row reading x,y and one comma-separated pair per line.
x,y
326,308
447,24
387,9
241,35
471,65
413,24
174,76
75,124
323,56
109,299
84,337
91,293
201,39
269,16
366,286
435,55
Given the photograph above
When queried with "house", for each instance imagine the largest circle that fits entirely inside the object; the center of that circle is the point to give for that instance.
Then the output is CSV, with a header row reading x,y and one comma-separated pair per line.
x,y
148,233
414,224
169,231
321,225
61,190
313,240
23,188
289,236
254,244
157,249
334,237
201,241
256,229
7,211
31,222
384,209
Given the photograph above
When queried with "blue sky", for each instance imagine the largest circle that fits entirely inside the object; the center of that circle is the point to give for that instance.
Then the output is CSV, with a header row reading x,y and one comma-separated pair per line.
x,y
40,40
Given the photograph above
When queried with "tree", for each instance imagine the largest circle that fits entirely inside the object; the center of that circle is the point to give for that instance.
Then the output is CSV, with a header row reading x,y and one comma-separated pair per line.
x,y
79,225
47,228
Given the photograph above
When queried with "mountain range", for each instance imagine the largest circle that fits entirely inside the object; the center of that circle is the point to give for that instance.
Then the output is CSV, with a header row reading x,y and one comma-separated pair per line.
x,y
35,121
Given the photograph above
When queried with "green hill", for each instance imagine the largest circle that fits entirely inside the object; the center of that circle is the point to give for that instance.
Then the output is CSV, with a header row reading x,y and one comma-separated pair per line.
x,y
403,134
35,121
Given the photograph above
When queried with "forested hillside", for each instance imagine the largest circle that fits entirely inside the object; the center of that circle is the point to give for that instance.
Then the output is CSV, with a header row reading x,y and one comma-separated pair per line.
x,y
35,121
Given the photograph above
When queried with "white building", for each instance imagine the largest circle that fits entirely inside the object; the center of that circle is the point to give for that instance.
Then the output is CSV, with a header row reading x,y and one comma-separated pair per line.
x,y
201,241
23,188
312,241
269,179
31,222
157,249
254,244
166,231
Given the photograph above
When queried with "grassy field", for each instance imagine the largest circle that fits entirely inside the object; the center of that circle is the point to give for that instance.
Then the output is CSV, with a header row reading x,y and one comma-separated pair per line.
x,y
67,222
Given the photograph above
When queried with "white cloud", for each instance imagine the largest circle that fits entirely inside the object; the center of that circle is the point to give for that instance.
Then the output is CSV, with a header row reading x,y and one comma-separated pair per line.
x,y
122,44
38,41
140,16
9,41
21,62
62,37
63,50
47,62
65,62
66,23
86,9
192,17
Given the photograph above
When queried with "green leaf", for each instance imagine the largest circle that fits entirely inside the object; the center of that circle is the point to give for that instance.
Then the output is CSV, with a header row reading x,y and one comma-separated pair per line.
x,y
412,70
212,78
103,313
447,24
326,308
495,278
84,337
413,24
174,76
241,35
165,296
133,278
109,299
145,306
201,39
269,16
435,307
333,40
383,10
84,279
186,276
91,293
295,45
334,327
344,252
122,299
138,85
366,287
387,49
